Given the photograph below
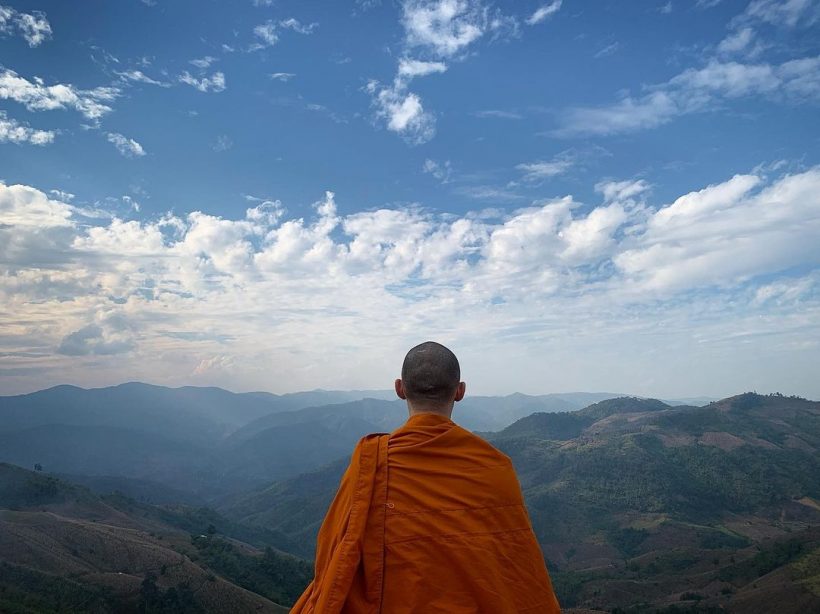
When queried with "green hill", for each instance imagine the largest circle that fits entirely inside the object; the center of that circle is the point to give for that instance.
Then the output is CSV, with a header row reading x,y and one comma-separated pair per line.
x,y
65,549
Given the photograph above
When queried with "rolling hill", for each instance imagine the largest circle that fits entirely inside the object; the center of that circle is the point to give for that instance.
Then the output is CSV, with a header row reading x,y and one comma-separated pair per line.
x,y
63,548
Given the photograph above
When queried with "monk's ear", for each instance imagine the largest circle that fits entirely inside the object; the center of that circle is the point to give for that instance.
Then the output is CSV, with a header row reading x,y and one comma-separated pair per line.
x,y
462,388
399,385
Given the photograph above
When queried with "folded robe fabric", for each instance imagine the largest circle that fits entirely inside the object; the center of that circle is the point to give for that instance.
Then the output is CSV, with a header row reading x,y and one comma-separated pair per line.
x,y
429,519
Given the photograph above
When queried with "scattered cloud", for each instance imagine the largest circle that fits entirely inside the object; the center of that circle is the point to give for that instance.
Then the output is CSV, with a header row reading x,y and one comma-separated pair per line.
x,y
621,190
778,12
440,171
607,51
297,26
94,339
282,76
403,112
541,170
127,147
138,76
696,90
36,96
33,27
203,62
12,131
266,33
408,69
498,114
439,31
443,27
214,83
542,12
223,143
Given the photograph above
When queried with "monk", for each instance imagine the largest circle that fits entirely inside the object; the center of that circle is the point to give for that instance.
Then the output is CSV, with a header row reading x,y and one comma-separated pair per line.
x,y
430,518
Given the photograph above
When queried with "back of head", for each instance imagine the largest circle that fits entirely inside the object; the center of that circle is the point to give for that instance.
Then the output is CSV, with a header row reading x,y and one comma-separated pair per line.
x,y
430,374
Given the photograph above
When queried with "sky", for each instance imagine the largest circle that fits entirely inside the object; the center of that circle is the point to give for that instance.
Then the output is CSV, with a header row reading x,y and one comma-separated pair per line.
x,y
279,195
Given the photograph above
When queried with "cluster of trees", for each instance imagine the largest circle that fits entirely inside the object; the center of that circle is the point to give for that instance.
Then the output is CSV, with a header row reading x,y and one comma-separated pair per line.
x,y
278,577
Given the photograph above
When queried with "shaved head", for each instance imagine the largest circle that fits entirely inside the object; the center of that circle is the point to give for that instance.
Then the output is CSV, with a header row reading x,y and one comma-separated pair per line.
x,y
430,373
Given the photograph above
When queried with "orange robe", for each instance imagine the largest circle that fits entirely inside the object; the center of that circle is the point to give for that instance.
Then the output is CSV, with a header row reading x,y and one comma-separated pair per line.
x,y
428,520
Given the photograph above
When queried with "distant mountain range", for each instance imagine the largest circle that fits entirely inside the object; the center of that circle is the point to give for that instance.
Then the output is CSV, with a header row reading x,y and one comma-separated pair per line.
x,y
639,505
208,442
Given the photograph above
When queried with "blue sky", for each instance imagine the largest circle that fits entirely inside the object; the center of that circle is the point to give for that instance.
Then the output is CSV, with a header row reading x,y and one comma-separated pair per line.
x,y
287,195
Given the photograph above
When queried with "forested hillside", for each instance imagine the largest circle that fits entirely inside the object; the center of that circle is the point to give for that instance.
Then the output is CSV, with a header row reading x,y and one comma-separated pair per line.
x,y
65,549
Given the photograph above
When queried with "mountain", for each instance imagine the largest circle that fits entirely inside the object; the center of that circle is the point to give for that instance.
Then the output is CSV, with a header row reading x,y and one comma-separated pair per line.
x,y
640,506
205,443
64,548
175,437
188,413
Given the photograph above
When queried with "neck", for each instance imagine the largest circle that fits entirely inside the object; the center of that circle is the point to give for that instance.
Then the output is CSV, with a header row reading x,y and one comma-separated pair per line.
x,y
413,410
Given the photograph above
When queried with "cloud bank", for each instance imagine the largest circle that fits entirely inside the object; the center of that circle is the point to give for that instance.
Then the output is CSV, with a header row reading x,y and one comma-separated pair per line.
x,y
277,302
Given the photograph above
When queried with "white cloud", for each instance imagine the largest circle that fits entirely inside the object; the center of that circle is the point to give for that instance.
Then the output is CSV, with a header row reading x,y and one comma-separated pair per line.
x,y
214,83
442,30
403,112
445,27
138,76
540,170
499,114
223,143
607,51
33,27
268,32
621,190
737,41
409,68
696,90
297,26
11,131
441,171
542,12
282,76
781,12
265,32
36,96
556,278
203,62
127,147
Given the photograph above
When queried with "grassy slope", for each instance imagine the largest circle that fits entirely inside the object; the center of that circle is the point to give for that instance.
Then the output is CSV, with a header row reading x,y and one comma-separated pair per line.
x,y
115,555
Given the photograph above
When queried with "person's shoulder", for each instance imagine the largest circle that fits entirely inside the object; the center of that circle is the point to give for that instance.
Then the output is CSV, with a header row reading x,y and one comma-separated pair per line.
x,y
479,444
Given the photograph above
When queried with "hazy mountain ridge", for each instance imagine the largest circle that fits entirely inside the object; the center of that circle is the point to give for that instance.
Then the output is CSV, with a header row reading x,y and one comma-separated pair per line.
x,y
209,442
